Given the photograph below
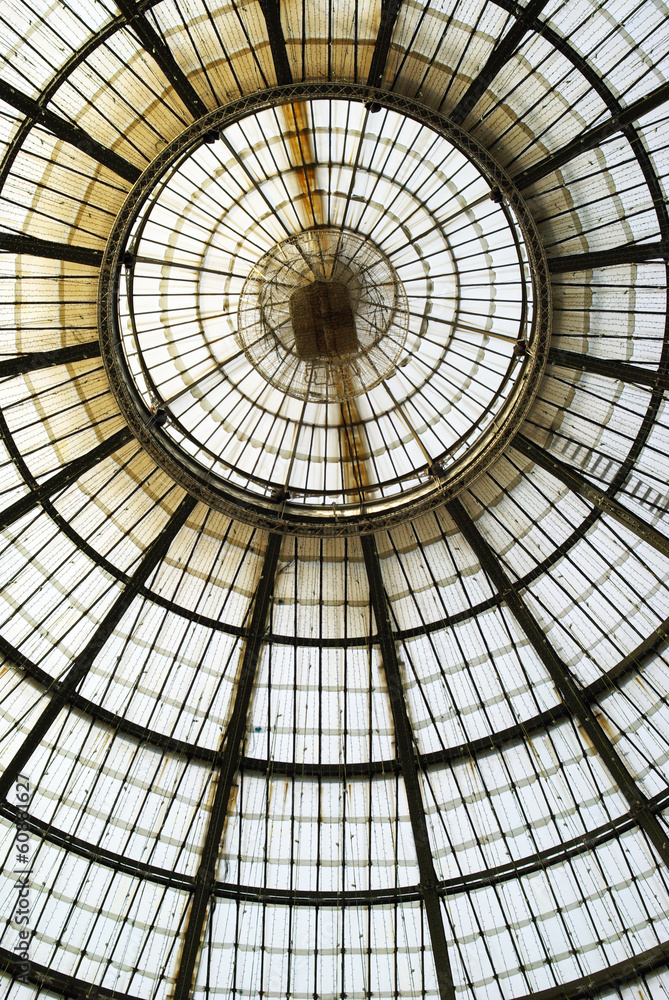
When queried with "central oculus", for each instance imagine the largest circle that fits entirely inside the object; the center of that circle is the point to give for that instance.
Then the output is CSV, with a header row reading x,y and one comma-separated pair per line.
x,y
323,321
323,315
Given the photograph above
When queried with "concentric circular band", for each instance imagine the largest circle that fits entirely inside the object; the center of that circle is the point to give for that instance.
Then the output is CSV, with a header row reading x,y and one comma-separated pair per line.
x,y
453,387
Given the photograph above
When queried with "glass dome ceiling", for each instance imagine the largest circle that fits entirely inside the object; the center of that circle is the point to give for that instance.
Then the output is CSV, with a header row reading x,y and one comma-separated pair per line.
x,y
391,731
209,340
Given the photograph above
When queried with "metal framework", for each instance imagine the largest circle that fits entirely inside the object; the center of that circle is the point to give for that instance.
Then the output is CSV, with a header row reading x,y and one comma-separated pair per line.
x,y
505,49
587,987
63,690
67,475
404,742
601,499
381,897
610,369
222,492
593,137
564,682
464,751
229,758
68,132
498,491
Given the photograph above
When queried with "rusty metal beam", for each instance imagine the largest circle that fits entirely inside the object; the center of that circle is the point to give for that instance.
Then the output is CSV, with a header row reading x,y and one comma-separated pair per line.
x,y
589,986
229,759
404,742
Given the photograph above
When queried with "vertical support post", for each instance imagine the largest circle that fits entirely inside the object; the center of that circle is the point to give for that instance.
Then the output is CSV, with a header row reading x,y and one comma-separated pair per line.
x,y
277,42
229,758
389,12
405,752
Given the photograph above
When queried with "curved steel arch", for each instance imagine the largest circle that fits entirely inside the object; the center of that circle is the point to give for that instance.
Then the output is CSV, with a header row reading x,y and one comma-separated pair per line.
x,y
485,744
547,858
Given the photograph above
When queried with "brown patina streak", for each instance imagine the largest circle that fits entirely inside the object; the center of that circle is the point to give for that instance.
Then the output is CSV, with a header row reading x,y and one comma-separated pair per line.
x,y
354,466
300,144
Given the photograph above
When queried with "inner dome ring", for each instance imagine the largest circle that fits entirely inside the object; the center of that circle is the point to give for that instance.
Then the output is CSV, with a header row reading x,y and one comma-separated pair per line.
x,y
429,475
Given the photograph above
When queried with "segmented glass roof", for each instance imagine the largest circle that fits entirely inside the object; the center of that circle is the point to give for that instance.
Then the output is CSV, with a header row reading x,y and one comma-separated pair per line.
x,y
286,711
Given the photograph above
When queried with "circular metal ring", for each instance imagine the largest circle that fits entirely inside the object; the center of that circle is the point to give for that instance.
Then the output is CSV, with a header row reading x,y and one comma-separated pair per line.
x,y
279,513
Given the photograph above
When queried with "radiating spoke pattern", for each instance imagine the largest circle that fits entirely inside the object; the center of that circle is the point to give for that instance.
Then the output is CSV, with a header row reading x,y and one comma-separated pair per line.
x,y
334,603
436,280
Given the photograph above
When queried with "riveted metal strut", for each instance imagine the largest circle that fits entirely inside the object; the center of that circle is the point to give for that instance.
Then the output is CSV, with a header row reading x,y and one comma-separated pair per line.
x,y
404,742
229,758
570,693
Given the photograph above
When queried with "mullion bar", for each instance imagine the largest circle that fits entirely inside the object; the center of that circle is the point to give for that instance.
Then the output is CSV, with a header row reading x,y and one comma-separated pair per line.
x,y
404,742
68,132
25,363
230,756
157,47
592,137
20,243
609,367
82,663
67,475
571,694
502,53
592,494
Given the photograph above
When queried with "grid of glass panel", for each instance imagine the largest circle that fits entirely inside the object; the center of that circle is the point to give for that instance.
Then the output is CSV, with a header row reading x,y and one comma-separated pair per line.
x,y
126,619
